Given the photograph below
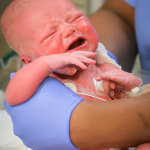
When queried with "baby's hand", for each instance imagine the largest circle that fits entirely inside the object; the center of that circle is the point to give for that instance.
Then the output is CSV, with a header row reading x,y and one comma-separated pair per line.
x,y
118,79
67,63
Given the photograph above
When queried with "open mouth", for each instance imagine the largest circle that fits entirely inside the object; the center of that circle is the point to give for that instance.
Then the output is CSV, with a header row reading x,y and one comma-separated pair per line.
x,y
76,44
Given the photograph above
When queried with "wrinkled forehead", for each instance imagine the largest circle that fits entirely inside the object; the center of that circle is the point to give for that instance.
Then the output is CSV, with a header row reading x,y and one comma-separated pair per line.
x,y
38,14
57,9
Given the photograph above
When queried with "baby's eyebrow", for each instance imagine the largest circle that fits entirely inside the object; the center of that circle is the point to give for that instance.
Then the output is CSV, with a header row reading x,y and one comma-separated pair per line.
x,y
70,14
54,25
48,30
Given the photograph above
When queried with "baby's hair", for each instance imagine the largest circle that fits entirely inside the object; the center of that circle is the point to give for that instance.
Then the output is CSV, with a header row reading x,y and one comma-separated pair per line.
x,y
8,20
9,33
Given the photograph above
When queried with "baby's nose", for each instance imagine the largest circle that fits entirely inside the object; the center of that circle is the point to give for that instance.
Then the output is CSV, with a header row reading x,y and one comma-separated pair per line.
x,y
68,30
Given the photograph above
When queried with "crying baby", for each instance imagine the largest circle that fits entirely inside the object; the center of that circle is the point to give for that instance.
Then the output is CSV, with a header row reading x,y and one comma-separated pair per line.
x,y
63,44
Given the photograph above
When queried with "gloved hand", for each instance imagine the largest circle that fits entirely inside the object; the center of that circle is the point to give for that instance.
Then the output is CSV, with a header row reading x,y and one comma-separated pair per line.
x,y
42,122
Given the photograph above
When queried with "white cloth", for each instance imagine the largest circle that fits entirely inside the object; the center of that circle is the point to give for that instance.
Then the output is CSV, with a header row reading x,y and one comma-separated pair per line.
x,y
8,141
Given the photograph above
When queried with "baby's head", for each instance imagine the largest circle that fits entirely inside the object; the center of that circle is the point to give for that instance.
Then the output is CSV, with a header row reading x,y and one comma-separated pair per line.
x,y
35,28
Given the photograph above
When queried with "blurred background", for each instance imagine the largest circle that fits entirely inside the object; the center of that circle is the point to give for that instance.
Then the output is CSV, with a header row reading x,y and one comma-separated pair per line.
x,y
9,61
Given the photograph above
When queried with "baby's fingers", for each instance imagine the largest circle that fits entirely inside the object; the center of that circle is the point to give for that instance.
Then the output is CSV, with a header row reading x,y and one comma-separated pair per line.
x,y
121,87
71,71
108,76
112,85
85,53
106,86
98,78
77,62
85,59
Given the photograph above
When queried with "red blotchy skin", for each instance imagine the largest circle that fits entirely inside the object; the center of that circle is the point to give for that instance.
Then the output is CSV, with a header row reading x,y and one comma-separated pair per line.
x,y
85,80
57,31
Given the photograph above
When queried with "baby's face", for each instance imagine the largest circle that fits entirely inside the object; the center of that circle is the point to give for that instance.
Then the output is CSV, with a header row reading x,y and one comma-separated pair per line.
x,y
56,26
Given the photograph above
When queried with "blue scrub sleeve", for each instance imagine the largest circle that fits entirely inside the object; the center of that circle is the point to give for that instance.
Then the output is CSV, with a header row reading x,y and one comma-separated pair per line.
x,y
131,2
42,122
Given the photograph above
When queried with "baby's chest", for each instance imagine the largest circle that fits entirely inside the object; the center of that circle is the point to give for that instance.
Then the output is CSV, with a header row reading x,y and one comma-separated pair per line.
x,y
83,83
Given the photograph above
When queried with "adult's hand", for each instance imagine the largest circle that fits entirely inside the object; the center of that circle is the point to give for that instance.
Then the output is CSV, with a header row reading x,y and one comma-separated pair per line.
x,y
43,121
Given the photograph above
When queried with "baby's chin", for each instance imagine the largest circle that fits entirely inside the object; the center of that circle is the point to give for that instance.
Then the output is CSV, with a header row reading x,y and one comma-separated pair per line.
x,y
92,47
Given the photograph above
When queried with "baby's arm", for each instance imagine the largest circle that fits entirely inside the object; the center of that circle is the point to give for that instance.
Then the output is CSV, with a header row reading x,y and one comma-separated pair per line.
x,y
118,79
27,80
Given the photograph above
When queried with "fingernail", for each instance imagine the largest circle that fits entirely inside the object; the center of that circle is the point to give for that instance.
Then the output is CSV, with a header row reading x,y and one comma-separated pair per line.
x,y
111,93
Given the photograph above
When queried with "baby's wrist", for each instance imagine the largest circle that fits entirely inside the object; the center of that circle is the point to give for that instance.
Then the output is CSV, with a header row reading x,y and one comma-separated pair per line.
x,y
45,64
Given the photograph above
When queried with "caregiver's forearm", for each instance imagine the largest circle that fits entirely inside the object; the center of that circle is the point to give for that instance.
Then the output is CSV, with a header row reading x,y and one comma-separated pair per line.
x,y
119,123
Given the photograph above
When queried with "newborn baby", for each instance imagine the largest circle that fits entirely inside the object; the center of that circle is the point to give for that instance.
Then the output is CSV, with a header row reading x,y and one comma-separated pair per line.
x,y
63,44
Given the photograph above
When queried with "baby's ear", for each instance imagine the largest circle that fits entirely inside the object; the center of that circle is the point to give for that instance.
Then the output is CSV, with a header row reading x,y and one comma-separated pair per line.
x,y
25,59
